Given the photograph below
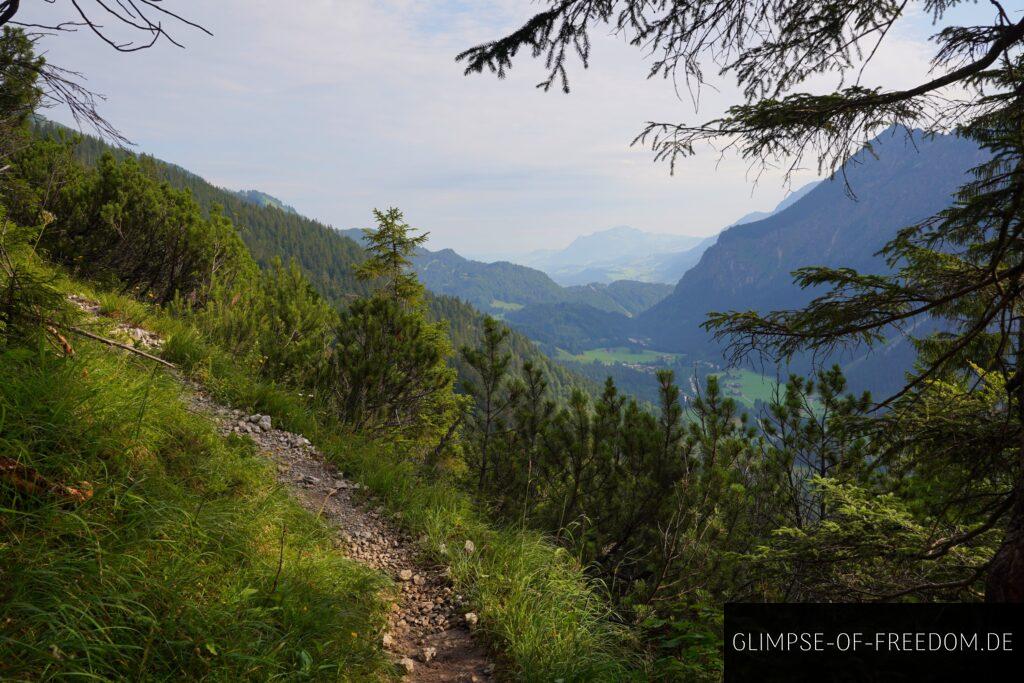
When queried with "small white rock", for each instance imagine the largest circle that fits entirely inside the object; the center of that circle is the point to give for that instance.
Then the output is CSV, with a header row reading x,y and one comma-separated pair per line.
x,y
407,664
470,547
405,575
427,654
472,619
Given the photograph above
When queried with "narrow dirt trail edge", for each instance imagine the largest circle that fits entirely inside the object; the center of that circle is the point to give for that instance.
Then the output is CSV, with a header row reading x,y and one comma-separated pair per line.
x,y
428,631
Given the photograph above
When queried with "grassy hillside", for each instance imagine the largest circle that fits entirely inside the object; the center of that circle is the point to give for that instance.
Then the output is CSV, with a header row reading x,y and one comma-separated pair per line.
x,y
616,354
748,387
170,570
177,556
537,608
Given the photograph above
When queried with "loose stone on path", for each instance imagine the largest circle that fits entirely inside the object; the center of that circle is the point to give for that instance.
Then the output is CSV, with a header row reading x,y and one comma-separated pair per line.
x,y
426,632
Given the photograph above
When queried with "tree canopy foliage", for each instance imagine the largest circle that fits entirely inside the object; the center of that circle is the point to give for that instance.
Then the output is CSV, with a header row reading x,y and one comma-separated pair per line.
x,y
954,428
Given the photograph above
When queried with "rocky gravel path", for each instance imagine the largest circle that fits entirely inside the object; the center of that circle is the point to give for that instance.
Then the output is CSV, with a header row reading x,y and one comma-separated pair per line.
x,y
429,626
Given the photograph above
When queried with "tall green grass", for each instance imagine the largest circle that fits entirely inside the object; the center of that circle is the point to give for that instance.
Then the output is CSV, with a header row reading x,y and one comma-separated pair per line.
x,y
187,563
535,604
543,618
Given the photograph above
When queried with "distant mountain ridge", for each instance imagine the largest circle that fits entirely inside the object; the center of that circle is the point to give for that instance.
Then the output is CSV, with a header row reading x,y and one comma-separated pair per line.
x,y
790,199
626,253
898,182
611,245
501,287
619,253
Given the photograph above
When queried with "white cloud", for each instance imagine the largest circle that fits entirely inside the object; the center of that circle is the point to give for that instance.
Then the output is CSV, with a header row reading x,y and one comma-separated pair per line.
x,y
338,106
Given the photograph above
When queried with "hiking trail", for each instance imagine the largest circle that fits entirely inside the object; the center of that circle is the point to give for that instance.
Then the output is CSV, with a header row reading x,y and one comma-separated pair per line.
x,y
429,626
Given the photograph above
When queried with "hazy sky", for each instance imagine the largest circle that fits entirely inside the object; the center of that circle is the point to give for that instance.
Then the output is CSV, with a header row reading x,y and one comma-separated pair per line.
x,y
339,106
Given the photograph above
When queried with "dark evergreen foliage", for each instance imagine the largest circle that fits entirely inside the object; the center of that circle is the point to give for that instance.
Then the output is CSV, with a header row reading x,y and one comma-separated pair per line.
x,y
388,369
920,494
118,223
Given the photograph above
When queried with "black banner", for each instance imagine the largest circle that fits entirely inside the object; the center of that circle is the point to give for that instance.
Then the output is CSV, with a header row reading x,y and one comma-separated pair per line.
x,y
874,642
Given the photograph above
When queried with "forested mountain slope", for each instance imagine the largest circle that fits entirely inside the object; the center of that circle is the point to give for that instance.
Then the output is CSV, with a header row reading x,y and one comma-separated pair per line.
x,y
841,223
499,286
325,256
264,199
573,327
632,295
895,184
672,267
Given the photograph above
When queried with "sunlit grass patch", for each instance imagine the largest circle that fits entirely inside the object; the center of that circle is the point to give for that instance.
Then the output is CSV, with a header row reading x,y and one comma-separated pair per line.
x,y
170,570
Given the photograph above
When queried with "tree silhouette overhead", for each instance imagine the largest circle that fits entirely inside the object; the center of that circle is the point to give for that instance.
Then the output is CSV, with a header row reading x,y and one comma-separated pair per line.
x,y
144,21
769,48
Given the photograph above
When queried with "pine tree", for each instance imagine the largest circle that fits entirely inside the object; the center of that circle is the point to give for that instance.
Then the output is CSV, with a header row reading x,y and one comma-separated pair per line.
x,y
812,433
961,268
390,248
389,367
532,411
491,363
19,75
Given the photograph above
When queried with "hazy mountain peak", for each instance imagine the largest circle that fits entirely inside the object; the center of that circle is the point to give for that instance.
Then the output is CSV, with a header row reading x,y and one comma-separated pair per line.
x,y
625,252
614,253
617,231
628,232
